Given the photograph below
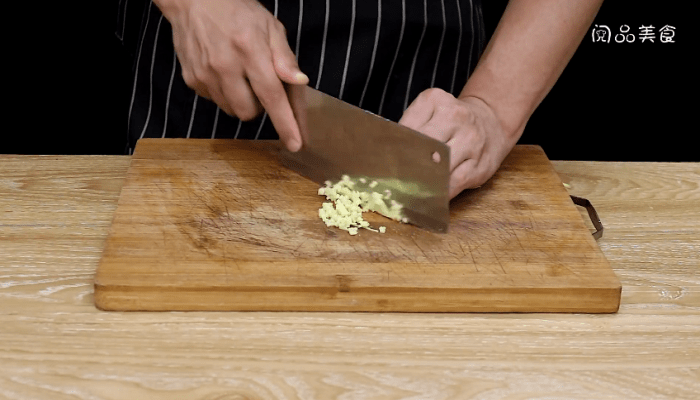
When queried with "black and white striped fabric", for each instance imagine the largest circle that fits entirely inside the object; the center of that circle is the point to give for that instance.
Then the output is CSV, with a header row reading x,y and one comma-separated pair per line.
x,y
376,54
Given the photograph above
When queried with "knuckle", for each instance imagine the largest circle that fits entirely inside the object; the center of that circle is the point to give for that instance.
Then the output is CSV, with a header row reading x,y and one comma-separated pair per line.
x,y
477,180
425,95
279,26
457,113
462,177
200,76
244,116
243,41
434,93
220,63
246,112
225,107
189,79
469,178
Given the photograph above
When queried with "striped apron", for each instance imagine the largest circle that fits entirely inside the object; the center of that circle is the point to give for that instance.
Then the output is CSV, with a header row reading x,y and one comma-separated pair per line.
x,y
376,54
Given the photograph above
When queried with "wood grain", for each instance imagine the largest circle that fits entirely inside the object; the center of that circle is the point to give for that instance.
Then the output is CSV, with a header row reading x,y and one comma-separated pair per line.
x,y
54,344
221,225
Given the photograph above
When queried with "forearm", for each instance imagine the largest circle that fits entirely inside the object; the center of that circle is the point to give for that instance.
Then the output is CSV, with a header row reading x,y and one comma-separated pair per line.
x,y
532,44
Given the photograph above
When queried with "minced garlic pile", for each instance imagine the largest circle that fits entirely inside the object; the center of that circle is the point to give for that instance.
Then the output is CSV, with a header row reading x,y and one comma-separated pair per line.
x,y
346,205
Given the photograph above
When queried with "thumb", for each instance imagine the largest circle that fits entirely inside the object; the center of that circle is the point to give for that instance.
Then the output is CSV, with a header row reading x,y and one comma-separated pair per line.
x,y
284,60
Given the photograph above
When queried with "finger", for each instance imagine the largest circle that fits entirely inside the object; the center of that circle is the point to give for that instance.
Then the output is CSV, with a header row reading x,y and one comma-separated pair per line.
x,y
460,151
239,97
465,176
236,100
193,83
203,91
269,90
284,60
218,98
418,113
438,129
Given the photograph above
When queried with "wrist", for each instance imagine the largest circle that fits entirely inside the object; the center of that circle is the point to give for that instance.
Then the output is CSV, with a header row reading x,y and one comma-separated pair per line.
x,y
510,129
170,8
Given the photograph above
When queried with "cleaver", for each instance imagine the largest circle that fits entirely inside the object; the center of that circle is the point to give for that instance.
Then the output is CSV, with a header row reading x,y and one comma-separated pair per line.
x,y
381,156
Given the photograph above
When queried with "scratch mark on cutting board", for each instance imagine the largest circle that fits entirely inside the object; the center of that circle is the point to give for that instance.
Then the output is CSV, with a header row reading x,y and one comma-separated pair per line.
x,y
498,260
296,250
226,263
419,248
471,253
461,245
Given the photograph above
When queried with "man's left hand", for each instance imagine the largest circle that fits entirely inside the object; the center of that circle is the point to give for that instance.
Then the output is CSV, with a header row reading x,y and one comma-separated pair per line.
x,y
478,143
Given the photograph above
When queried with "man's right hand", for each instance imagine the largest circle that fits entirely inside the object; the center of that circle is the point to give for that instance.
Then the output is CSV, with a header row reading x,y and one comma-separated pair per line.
x,y
235,53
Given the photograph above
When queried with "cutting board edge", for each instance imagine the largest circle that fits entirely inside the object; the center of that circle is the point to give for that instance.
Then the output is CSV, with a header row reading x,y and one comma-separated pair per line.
x,y
504,300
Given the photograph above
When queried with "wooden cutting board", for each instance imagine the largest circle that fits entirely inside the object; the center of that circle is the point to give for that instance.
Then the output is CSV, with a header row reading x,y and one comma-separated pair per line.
x,y
221,225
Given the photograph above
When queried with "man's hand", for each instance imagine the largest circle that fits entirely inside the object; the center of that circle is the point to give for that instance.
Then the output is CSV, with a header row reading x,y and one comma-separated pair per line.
x,y
524,58
478,143
235,53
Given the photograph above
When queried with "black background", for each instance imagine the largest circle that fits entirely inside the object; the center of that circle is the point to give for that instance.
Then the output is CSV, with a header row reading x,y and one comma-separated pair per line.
x,y
68,85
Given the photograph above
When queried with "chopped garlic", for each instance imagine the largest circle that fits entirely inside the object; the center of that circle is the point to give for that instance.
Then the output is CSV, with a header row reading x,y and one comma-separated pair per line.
x,y
345,208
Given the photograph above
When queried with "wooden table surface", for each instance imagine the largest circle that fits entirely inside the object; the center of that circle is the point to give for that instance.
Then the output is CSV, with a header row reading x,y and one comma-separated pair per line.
x,y
55,212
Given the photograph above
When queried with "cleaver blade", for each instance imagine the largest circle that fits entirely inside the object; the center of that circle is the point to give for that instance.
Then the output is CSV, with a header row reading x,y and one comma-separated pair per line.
x,y
341,139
